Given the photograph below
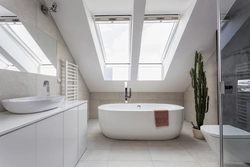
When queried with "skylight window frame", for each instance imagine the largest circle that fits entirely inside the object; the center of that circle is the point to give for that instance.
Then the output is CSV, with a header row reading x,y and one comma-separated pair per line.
x,y
150,77
173,18
111,19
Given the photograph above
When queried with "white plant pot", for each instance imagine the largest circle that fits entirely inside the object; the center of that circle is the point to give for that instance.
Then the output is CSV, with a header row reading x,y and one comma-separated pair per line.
x,y
198,134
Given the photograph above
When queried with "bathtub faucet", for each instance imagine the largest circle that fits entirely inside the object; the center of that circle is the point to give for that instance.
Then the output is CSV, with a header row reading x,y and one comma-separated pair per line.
x,y
127,95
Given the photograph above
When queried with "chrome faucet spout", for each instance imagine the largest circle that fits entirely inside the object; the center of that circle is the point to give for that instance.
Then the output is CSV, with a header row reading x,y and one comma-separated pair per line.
x,y
46,84
127,94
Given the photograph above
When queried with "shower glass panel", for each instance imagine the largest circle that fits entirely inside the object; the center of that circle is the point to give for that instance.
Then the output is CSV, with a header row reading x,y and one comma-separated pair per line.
x,y
235,71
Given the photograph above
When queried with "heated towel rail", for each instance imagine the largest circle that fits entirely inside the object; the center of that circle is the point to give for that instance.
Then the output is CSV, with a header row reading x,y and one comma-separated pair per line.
x,y
71,78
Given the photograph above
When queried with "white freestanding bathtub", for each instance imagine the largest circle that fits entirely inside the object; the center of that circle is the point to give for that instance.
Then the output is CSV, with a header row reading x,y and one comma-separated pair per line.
x,y
134,121
236,142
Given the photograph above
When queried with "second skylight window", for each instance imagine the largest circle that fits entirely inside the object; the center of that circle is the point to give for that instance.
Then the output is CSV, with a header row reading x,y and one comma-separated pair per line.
x,y
156,36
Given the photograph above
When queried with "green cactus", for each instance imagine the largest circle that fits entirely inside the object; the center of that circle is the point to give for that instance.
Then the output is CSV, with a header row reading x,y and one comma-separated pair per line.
x,y
199,83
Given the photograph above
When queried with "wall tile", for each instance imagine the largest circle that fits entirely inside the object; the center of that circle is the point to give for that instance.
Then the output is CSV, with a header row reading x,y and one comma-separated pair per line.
x,y
147,96
108,96
94,104
121,95
16,84
94,114
81,83
94,95
134,96
189,95
83,95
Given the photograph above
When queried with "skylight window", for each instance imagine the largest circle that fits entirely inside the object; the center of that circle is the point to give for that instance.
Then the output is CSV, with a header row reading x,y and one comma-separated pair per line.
x,y
114,37
118,72
156,37
114,34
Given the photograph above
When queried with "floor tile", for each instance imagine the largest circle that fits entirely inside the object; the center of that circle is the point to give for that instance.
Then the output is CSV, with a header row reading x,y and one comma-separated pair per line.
x,y
171,155
97,135
235,164
130,164
195,145
127,145
92,164
164,145
100,144
210,164
204,155
129,155
185,137
100,155
176,164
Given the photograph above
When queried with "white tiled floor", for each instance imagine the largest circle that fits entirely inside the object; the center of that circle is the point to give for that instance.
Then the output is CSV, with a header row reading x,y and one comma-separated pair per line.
x,y
184,151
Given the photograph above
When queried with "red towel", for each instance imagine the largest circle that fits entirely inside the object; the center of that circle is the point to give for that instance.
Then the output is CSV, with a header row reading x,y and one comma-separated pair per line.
x,y
161,118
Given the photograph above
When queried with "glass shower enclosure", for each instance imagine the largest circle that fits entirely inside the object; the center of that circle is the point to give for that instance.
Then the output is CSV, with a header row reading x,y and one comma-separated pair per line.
x,y
234,60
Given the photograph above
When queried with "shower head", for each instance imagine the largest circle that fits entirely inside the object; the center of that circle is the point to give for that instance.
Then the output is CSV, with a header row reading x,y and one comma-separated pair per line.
x,y
53,7
45,9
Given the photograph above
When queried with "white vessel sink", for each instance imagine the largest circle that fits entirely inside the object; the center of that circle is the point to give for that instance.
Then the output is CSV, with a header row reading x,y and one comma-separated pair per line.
x,y
32,104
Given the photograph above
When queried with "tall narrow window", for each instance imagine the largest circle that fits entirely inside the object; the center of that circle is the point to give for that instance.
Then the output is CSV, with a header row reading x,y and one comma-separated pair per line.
x,y
114,36
156,37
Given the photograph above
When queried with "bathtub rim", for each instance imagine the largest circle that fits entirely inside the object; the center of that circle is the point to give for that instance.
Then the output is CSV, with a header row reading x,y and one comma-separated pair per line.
x,y
104,107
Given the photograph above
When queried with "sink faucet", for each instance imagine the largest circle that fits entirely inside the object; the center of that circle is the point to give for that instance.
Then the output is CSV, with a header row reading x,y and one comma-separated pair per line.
x,y
46,84
127,95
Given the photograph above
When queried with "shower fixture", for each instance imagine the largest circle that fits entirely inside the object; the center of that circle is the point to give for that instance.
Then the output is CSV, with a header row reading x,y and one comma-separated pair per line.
x,y
45,9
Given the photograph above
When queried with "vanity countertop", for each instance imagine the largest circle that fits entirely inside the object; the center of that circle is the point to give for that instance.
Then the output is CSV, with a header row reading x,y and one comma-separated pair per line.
x,y
10,122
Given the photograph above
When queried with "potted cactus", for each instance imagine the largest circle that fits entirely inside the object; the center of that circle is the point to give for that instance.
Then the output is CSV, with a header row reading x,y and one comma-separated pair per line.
x,y
201,98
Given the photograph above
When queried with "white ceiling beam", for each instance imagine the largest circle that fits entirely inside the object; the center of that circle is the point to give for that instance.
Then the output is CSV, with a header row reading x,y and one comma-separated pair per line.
x,y
137,27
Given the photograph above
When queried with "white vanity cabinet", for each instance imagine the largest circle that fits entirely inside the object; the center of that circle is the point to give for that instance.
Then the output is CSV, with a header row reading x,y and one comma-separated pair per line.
x,y
82,129
49,143
55,138
18,148
70,137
